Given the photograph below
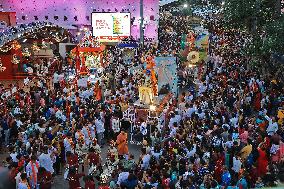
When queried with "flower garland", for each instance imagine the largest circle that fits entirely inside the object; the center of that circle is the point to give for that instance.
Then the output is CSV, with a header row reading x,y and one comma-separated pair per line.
x,y
71,142
89,132
34,174
81,136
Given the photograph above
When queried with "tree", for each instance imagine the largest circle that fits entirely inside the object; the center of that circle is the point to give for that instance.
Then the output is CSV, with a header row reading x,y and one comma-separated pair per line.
x,y
250,15
274,42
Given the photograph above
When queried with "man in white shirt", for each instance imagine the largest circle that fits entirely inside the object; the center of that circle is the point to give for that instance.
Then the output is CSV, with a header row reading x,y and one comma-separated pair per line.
x,y
56,80
190,111
177,116
234,121
123,176
191,152
237,164
87,134
172,120
145,161
174,130
100,128
189,97
46,161
272,126
67,145
13,155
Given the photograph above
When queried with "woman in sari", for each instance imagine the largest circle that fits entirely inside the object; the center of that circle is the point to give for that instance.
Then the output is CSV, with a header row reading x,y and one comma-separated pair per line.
x,y
262,161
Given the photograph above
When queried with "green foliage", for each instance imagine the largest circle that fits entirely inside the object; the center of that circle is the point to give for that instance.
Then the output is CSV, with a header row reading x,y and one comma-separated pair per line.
x,y
249,15
238,13
260,18
274,41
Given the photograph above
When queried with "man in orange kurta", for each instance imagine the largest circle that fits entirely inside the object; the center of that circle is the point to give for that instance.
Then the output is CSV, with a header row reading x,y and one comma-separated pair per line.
x,y
98,91
121,142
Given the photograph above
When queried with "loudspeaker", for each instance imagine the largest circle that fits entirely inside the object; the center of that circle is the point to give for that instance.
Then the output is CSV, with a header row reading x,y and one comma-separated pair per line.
x,y
132,20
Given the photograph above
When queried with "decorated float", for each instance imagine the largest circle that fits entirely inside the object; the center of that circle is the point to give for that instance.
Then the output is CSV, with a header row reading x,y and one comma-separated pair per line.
x,y
88,55
148,109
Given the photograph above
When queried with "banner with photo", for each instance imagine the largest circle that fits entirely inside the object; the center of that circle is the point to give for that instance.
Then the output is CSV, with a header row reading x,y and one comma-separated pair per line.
x,y
202,44
166,68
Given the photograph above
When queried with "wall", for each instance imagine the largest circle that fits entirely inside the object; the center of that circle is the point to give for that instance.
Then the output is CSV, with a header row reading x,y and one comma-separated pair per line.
x,y
82,9
8,17
7,74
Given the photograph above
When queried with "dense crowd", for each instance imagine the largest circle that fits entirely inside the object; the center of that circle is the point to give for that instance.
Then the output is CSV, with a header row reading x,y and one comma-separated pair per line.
x,y
227,132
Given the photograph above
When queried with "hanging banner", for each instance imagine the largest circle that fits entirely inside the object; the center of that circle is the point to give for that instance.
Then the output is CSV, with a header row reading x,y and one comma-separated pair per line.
x,y
111,27
166,68
202,40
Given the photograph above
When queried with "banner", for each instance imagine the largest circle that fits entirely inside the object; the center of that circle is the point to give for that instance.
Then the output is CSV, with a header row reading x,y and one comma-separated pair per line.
x,y
111,27
202,40
166,68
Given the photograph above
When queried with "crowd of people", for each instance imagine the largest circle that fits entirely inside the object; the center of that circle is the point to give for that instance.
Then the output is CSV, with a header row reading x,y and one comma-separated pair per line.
x,y
227,132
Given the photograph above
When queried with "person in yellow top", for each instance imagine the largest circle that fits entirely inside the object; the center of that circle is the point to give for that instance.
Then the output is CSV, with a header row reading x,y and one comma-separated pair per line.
x,y
123,104
245,152
280,115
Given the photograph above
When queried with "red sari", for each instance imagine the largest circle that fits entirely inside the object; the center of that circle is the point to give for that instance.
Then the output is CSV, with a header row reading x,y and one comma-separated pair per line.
x,y
257,100
262,163
219,168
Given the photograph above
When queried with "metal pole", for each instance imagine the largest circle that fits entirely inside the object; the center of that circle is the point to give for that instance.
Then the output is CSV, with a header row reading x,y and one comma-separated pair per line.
x,y
141,23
